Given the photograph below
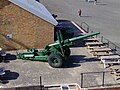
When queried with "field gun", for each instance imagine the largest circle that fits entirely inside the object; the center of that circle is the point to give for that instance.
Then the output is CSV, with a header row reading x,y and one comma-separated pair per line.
x,y
55,53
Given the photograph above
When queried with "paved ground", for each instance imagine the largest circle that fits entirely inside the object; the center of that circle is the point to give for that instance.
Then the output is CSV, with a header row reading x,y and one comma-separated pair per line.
x,y
22,73
103,17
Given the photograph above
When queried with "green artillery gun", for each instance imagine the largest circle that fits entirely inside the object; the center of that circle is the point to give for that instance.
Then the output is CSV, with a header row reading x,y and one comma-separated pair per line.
x,y
54,53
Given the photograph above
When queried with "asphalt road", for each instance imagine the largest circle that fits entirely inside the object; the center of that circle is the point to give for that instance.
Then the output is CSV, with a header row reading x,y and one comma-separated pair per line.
x,y
103,17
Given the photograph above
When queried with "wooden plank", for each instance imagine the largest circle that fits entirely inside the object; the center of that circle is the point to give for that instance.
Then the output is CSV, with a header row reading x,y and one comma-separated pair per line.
x,y
96,47
91,39
110,57
93,43
98,54
101,50
89,44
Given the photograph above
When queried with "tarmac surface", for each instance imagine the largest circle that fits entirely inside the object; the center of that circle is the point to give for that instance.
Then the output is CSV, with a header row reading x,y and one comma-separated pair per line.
x,y
103,17
26,73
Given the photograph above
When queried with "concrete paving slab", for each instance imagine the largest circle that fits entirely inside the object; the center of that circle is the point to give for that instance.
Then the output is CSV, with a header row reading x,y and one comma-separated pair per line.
x,y
27,73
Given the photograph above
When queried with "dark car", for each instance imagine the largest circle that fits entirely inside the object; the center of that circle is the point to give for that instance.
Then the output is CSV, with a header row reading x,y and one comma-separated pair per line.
x,y
65,31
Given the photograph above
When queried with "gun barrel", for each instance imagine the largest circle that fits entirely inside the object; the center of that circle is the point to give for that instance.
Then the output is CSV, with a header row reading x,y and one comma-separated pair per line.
x,y
84,36
76,38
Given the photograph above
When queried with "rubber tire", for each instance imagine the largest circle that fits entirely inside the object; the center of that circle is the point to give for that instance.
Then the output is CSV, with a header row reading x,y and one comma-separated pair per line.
x,y
67,51
59,59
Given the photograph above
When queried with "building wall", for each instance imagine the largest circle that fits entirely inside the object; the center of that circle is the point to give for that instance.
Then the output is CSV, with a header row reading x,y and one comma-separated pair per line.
x,y
27,30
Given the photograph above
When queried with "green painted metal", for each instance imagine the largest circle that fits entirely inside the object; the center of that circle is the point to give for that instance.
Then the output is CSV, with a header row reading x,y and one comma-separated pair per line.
x,y
61,48
84,36
68,42
33,54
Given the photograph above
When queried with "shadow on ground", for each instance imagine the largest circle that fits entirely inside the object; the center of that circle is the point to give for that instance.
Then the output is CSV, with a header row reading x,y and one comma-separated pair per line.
x,y
9,57
85,16
98,3
9,75
102,4
76,60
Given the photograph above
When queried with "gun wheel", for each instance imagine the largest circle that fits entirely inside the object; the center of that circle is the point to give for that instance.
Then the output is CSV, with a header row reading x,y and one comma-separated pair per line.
x,y
67,51
55,60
